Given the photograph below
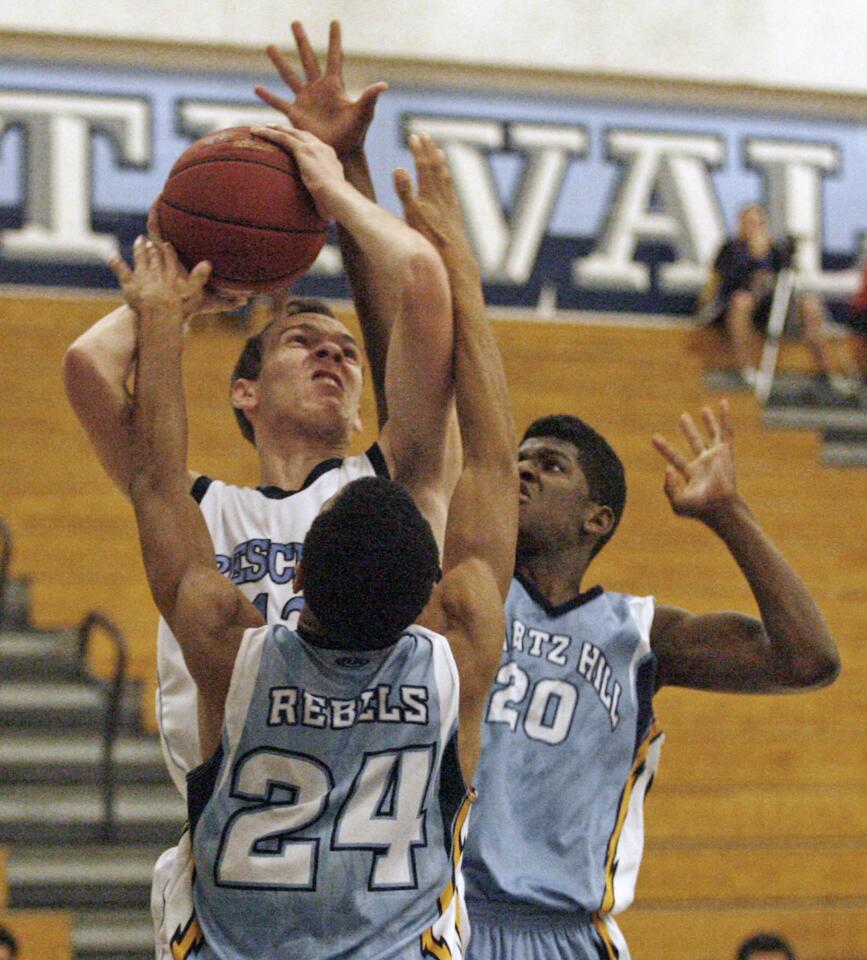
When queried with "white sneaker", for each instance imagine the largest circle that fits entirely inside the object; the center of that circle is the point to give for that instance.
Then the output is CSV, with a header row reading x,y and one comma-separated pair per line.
x,y
841,385
750,376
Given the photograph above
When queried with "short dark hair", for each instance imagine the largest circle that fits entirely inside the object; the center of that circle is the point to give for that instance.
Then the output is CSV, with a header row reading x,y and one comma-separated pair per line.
x,y
249,363
603,469
370,562
764,942
8,940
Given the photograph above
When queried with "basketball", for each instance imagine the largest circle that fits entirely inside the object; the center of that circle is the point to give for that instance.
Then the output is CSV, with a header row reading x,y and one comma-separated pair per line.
x,y
239,202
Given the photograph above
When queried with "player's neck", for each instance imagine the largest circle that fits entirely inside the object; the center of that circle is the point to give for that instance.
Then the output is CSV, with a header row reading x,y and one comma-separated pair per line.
x,y
288,468
557,576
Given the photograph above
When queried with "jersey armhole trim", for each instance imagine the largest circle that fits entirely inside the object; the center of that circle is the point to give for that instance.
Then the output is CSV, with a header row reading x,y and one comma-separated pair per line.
x,y
200,786
377,461
200,488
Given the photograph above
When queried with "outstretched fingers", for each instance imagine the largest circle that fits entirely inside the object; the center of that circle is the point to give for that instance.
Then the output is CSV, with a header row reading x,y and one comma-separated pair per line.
x,y
153,224
368,98
120,269
284,68
727,432
673,483
334,57
711,425
420,159
671,454
404,188
305,51
199,276
278,103
692,434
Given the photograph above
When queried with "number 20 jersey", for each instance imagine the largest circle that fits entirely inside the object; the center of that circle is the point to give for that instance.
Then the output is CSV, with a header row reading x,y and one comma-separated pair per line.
x,y
257,535
569,749
330,822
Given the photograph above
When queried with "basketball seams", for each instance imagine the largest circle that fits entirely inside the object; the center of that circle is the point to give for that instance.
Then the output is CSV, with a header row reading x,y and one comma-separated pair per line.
x,y
246,211
208,217
290,171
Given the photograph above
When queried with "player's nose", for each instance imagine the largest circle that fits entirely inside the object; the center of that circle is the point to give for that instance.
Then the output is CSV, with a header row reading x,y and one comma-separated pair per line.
x,y
332,351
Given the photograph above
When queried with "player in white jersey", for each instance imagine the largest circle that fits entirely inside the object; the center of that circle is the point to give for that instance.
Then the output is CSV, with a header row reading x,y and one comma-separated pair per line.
x,y
295,392
370,561
570,723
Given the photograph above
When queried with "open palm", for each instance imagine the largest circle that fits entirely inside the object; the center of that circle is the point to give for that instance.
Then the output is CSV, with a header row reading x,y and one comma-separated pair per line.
x,y
321,106
699,486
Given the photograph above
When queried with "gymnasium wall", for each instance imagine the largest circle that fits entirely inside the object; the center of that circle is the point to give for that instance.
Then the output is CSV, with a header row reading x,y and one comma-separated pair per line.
x,y
572,202
601,151
795,44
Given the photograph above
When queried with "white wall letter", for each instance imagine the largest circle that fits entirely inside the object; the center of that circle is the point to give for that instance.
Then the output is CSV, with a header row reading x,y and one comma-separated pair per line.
x,y
507,249
58,128
793,174
674,168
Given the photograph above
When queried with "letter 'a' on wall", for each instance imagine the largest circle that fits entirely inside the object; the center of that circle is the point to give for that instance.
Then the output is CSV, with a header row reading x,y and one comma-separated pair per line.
x,y
589,203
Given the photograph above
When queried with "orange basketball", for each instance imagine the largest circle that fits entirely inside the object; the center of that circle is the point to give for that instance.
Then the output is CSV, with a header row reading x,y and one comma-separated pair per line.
x,y
239,202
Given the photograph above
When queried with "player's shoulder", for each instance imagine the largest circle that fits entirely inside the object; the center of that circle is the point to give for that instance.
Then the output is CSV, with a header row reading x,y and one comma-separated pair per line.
x,y
333,472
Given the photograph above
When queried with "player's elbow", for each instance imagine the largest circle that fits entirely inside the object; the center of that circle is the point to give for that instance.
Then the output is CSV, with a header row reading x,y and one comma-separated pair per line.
x,y
425,282
140,484
817,668
78,373
146,479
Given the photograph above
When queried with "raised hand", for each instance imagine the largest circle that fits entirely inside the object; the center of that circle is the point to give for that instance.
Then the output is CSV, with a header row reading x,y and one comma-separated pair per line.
x,y
433,209
209,300
704,486
318,164
158,282
321,105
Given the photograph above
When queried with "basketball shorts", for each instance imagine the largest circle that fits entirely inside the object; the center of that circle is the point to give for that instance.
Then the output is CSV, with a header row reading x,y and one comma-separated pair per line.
x,y
522,931
176,932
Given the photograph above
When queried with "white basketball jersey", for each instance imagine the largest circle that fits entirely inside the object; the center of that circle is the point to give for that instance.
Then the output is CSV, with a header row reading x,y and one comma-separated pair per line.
x,y
258,534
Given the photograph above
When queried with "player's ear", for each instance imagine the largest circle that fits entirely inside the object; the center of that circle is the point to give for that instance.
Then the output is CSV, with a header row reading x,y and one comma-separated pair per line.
x,y
599,520
244,394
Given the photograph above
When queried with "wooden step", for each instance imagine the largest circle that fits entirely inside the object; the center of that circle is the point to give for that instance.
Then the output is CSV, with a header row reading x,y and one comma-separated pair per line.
x,y
756,814
41,934
817,931
737,874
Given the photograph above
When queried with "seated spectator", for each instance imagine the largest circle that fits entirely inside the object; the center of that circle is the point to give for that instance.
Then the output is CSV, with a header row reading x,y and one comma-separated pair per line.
x,y
8,945
765,946
856,333
740,292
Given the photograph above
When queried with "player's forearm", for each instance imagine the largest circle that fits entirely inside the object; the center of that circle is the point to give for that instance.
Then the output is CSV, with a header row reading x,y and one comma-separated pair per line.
x,y
376,296
490,473
159,413
481,389
96,369
800,642
387,243
109,345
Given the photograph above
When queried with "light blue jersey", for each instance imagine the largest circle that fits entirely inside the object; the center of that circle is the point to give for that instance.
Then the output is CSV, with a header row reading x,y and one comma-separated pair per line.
x,y
569,750
330,822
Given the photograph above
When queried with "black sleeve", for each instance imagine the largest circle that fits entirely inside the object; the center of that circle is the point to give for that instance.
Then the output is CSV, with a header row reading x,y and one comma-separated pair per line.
x,y
723,258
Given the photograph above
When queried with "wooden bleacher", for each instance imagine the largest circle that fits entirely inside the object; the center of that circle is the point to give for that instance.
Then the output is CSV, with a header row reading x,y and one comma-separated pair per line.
x,y
758,818
41,934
